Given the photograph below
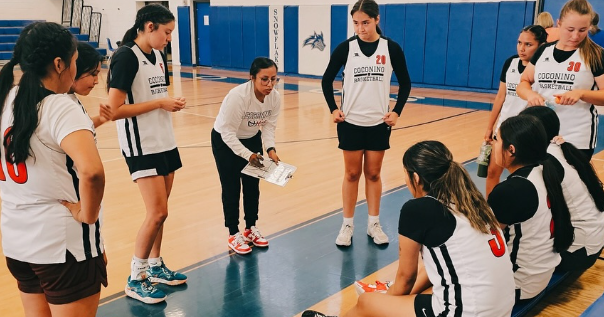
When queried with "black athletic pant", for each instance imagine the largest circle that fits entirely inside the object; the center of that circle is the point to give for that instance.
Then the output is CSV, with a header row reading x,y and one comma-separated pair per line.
x,y
229,169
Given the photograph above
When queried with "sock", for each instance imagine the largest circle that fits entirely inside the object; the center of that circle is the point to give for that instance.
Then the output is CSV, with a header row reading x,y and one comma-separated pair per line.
x,y
233,231
138,268
373,220
155,261
348,221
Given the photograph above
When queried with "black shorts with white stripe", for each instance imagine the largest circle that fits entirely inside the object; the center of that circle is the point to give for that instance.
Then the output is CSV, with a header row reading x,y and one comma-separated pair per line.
x,y
155,164
423,305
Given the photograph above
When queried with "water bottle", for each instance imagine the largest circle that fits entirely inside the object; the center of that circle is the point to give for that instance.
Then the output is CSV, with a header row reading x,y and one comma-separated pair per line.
x,y
550,105
483,159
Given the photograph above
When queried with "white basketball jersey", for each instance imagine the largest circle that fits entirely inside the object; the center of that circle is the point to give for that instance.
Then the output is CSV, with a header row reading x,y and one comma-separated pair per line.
x,y
531,244
471,273
513,104
36,228
366,87
587,220
150,132
578,122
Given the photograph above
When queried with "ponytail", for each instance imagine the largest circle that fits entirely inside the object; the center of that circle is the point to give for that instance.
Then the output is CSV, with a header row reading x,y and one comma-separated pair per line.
x,y
572,155
7,79
563,228
449,182
455,187
38,45
130,35
586,172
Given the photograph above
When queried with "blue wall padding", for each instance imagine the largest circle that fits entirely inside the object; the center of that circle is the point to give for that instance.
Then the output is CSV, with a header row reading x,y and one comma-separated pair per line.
x,y
451,44
529,16
225,41
184,35
290,40
249,35
262,36
507,37
415,38
215,36
236,37
395,17
437,32
339,25
482,48
458,46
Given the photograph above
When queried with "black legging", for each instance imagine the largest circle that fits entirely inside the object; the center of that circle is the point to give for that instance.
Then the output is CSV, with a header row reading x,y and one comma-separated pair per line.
x,y
229,167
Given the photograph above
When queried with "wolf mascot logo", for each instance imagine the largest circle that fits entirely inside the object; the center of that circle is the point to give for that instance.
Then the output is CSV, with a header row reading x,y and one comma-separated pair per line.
x,y
315,41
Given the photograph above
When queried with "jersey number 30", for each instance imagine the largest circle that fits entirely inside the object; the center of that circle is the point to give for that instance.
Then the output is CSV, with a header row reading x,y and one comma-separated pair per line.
x,y
19,174
497,244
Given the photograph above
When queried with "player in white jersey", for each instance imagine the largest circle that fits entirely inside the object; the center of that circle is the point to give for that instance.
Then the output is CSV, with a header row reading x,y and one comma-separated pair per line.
x,y
583,194
50,212
237,140
566,73
530,204
450,225
139,101
365,119
507,103
87,76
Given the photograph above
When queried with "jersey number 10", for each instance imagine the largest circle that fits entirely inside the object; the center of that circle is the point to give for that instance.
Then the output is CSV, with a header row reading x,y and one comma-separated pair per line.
x,y
18,175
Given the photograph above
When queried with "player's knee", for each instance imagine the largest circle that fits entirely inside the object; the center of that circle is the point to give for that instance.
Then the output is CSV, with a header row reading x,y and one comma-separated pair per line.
x,y
364,302
353,176
372,177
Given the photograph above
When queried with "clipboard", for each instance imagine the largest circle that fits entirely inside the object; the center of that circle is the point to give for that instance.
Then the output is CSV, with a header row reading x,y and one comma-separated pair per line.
x,y
276,174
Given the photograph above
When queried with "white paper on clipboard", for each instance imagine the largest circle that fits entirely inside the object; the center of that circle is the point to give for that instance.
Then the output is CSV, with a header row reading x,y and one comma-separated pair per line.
x,y
278,174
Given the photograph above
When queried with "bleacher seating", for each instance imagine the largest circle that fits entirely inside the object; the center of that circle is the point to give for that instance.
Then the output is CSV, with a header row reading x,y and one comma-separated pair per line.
x,y
10,29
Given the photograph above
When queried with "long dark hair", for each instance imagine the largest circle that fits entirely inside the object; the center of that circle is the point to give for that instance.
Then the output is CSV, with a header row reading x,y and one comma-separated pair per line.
x,y
155,13
37,47
530,141
369,7
88,59
447,181
573,156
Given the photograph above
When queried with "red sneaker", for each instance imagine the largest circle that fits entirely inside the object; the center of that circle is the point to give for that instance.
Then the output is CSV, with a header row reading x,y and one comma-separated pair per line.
x,y
254,236
238,244
378,287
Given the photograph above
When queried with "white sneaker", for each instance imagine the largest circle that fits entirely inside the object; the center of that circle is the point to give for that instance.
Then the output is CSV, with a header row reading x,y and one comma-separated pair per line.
x,y
375,231
344,238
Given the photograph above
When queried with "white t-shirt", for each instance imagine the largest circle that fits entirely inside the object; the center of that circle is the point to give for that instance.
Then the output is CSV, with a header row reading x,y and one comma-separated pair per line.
x,y
242,115
36,228
366,87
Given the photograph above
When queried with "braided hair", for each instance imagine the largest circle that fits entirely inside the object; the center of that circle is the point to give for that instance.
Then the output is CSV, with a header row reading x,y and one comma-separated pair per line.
x,y
154,13
39,44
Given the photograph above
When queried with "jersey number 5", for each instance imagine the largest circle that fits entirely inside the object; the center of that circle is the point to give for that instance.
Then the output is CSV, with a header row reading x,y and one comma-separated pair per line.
x,y
497,244
18,175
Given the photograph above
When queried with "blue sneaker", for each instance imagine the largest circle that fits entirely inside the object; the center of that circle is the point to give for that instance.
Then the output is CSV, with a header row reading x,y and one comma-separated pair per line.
x,y
162,274
144,291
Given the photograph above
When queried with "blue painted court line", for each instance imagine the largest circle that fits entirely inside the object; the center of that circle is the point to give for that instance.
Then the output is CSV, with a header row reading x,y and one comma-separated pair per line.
x,y
302,267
